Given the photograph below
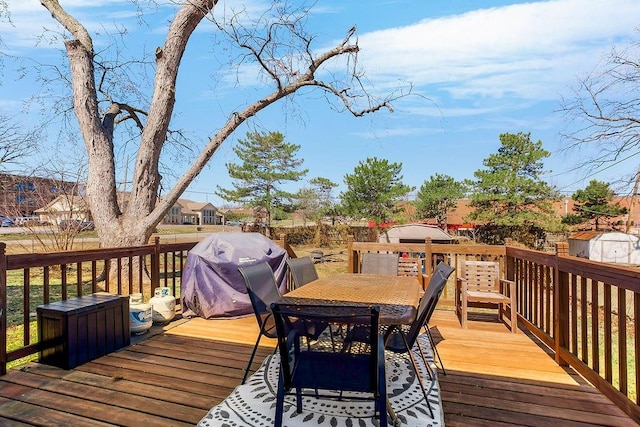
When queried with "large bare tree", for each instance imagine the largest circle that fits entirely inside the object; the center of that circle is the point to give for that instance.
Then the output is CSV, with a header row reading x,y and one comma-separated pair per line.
x,y
282,51
603,112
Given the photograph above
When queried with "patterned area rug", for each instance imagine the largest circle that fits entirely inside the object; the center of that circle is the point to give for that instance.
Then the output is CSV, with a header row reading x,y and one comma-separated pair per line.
x,y
253,404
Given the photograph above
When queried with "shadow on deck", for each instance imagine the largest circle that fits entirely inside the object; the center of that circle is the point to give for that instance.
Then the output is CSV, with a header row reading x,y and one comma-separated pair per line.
x,y
173,376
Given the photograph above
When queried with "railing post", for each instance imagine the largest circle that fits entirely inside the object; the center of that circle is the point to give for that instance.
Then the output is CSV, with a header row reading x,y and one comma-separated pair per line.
x,y
155,265
3,312
561,305
428,257
351,262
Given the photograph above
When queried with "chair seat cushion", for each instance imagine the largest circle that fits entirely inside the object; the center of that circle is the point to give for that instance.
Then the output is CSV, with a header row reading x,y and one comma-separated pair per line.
x,y
487,296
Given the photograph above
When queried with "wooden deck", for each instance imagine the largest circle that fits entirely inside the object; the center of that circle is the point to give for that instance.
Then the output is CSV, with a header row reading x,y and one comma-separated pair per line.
x,y
173,378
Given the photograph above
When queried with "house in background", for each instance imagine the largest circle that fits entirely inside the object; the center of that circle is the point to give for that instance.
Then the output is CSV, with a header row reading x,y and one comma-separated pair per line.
x,y
64,208
174,216
189,212
22,195
198,213
75,208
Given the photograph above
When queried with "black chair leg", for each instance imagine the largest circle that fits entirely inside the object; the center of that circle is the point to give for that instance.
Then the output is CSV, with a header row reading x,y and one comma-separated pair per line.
x,y
253,354
424,391
279,402
418,376
435,349
430,371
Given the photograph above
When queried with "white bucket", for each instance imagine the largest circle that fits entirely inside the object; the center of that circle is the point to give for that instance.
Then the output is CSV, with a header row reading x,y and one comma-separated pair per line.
x,y
140,315
163,304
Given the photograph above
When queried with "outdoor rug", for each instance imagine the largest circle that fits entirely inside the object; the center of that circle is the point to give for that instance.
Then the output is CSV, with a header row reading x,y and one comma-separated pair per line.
x,y
253,404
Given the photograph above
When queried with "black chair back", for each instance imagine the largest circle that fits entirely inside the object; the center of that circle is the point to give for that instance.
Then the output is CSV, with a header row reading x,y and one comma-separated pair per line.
x,y
262,290
429,300
302,270
375,263
401,342
326,365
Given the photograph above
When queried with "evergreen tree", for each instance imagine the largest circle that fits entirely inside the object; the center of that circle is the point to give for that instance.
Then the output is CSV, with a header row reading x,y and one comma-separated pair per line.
x,y
267,162
509,191
596,201
374,190
439,196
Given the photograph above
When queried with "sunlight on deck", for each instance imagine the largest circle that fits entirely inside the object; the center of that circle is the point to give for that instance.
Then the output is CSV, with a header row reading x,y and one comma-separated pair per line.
x,y
240,330
493,375
489,348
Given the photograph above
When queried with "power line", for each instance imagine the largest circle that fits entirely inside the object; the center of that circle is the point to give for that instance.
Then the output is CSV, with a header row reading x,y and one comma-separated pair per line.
x,y
598,171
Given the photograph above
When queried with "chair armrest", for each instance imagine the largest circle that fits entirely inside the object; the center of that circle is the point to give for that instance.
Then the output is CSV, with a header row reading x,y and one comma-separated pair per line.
x,y
462,284
510,283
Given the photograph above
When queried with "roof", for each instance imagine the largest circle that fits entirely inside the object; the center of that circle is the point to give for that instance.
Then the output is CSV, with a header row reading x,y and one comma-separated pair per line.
x,y
417,232
585,235
603,236
65,202
190,205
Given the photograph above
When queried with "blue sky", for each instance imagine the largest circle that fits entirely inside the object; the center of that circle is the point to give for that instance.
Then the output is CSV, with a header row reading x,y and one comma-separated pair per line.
x,y
478,69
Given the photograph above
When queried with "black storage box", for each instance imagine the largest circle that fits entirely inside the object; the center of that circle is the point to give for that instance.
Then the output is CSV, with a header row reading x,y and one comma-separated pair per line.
x,y
78,330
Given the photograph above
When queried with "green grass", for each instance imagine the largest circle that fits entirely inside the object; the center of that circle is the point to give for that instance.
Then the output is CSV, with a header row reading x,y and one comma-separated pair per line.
x,y
15,337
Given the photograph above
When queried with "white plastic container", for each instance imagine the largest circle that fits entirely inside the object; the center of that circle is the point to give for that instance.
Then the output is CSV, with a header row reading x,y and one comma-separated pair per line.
x,y
163,305
140,315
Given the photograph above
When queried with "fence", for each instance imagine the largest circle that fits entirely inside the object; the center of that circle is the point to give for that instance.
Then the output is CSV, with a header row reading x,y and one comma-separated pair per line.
x,y
587,312
28,280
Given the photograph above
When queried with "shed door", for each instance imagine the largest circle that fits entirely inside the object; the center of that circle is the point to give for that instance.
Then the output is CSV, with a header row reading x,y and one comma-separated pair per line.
x,y
615,251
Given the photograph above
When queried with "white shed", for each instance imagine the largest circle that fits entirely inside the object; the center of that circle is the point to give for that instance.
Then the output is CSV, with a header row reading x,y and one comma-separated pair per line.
x,y
614,247
414,233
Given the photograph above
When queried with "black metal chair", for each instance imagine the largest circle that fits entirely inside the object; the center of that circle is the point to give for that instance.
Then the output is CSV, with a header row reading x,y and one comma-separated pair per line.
x,y
399,340
302,270
313,369
375,263
438,280
262,290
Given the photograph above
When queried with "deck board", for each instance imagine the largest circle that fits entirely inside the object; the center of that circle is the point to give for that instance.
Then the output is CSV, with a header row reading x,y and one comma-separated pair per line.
x,y
494,378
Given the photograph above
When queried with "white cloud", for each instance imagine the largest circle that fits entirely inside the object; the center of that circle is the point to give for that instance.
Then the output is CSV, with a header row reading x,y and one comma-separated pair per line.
x,y
531,50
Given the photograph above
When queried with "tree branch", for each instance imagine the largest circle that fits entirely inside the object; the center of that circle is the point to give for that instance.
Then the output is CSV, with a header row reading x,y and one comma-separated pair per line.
x,y
237,118
78,31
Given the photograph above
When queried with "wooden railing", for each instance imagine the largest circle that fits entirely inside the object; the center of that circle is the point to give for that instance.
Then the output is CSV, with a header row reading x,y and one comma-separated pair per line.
x,y
587,312
28,280
432,254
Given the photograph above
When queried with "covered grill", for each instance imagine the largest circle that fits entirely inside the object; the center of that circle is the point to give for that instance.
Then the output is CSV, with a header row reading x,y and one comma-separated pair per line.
x,y
211,284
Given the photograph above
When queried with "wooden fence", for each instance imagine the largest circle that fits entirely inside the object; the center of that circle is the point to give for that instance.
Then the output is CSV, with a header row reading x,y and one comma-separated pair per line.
x,y
587,312
29,280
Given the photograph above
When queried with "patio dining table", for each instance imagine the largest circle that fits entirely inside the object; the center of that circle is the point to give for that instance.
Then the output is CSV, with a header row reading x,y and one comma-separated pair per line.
x,y
397,296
